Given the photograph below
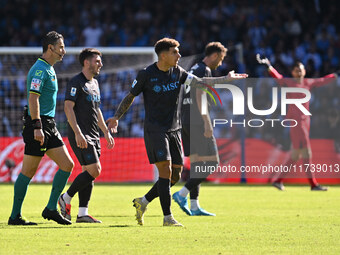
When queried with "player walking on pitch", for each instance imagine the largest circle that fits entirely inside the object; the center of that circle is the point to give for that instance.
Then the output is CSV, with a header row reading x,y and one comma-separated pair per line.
x,y
299,134
82,99
40,133
206,154
160,84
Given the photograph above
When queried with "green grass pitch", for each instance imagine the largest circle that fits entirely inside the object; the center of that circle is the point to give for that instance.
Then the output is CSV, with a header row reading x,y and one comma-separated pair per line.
x,y
250,220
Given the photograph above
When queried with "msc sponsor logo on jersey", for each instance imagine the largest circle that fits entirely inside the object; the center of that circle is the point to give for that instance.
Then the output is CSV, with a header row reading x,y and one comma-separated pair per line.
x,y
134,83
93,98
35,84
73,91
170,86
38,73
166,88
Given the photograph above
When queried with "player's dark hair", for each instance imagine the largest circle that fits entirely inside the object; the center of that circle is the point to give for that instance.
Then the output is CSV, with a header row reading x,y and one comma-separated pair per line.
x,y
88,53
215,47
165,44
297,64
50,38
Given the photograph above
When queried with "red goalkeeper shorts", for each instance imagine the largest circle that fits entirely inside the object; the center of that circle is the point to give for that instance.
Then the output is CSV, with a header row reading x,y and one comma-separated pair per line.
x,y
300,134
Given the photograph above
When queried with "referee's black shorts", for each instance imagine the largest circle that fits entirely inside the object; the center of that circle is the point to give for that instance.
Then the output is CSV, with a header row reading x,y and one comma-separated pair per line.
x,y
52,137
162,146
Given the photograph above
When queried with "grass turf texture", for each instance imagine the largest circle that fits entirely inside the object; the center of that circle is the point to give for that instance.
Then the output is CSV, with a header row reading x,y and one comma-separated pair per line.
x,y
250,220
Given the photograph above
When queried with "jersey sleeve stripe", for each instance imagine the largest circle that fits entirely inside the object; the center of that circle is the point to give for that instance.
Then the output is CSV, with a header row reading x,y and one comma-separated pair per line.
x,y
34,92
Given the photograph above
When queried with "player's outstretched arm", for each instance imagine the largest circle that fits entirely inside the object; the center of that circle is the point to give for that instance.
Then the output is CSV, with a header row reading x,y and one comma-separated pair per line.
x,y
211,81
272,71
112,123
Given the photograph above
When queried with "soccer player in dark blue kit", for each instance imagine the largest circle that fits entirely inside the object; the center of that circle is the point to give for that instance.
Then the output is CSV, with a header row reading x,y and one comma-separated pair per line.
x,y
40,132
201,130
82,99
160,84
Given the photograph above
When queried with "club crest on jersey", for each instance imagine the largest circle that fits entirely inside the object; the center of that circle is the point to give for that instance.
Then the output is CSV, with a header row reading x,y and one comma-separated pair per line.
x,y
160,153
35,84
134,83
73,91
157,88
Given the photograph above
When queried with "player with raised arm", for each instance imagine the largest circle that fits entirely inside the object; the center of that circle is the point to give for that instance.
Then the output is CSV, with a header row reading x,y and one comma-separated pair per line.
x,y
82,99
300,133
160,84
206,154
40,132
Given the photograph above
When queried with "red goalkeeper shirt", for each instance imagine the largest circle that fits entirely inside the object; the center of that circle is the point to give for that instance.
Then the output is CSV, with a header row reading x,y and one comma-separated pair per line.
x,y
307,83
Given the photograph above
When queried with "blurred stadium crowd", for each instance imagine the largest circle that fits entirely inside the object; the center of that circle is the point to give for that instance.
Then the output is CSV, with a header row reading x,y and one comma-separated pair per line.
x,y
282,30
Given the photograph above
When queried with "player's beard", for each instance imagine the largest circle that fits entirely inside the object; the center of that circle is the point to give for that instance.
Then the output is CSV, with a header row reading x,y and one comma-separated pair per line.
x,y
94,70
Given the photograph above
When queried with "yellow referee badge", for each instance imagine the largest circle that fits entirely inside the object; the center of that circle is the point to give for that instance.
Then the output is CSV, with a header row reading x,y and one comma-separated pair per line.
x,y
38,73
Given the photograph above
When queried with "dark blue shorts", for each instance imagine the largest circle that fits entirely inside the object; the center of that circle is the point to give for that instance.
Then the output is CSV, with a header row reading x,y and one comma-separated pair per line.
x,y
162,146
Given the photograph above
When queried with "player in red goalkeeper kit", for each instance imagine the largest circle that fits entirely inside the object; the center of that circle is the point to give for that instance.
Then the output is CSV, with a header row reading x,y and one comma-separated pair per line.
x,y
300,133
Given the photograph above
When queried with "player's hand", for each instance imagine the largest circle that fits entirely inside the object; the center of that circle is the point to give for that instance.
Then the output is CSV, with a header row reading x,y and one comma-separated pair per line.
x,y
262,61
109,139
112,124
39,136
81,141
208,130
236,76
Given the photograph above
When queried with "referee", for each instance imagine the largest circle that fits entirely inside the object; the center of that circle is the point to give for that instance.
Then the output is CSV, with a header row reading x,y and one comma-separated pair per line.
x,y
40,132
